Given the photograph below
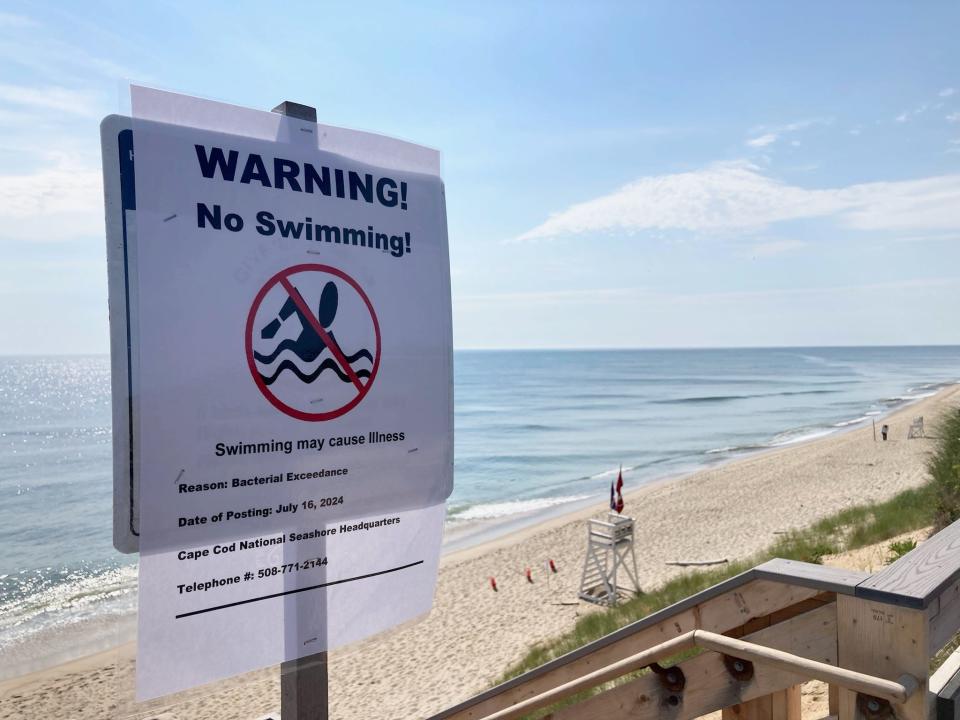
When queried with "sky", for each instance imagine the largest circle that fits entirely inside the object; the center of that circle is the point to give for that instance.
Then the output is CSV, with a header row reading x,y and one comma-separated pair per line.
x,y
658,174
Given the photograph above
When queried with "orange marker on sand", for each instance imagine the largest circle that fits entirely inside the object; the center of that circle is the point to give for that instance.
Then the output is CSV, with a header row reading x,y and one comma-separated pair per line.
x,y
493,583
529,578
553,568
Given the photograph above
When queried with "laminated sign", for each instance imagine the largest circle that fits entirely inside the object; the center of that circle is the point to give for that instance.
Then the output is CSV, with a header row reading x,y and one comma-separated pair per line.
x,y
280,312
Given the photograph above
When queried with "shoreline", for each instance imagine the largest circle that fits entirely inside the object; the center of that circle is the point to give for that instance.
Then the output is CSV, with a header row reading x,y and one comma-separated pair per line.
x,y
462,539
487,532
730,509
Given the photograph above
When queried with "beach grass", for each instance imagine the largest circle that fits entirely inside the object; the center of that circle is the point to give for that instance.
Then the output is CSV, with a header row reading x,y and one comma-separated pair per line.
x,y
944,469
936,503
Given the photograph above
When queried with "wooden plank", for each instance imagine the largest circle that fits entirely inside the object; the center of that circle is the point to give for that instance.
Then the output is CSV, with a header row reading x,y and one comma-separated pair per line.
x,y
944,673
779,705
758,709
896,691
558,673
816,577
833,699
944,689
755,600
944,616
948,701
609,673
787,703
709,687
719,612
885,641
920,576
821,577
818,600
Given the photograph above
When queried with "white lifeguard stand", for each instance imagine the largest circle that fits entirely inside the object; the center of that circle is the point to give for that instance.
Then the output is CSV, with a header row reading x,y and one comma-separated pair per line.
x,y
916,429
609,548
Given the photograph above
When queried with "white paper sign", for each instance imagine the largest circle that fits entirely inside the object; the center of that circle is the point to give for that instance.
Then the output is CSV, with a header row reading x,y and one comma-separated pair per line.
x,y
294,437
207,618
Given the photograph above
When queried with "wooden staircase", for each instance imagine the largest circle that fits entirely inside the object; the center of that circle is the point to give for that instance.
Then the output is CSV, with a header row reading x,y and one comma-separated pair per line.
x,y
757,637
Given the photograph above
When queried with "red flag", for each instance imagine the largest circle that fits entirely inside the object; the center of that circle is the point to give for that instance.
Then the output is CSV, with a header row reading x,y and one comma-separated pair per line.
x,y
619,504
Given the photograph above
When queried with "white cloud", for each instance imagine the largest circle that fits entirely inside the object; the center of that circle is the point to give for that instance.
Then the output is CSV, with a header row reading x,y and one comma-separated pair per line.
x,y
61,201
549,298
947,92
927,238
763,140
776,247
737,195
953,117
919,110
769,134
50,98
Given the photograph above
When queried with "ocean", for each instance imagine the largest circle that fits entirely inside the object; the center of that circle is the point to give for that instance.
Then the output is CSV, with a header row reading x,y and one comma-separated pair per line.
x,y
536,432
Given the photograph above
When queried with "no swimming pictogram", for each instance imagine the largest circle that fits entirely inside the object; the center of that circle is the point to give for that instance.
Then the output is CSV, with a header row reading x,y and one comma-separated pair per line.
x,y
313,342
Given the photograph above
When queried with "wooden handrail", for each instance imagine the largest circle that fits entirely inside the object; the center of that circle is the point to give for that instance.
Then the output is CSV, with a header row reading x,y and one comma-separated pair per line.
x,y
801,577
610,672
897,692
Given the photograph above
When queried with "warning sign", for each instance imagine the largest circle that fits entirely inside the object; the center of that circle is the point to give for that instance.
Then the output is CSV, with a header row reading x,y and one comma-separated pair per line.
x,y
290,357
313,342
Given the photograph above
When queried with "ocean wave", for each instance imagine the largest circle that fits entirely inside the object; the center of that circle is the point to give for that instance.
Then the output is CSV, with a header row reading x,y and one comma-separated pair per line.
x,y
728,398
935,386
854,421
787,437
609,473
702,399
909,397
730,449
78,598
497,510
799,435
805,392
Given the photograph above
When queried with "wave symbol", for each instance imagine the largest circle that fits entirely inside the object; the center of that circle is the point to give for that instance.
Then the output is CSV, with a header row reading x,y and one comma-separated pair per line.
x,y
328,364
314,338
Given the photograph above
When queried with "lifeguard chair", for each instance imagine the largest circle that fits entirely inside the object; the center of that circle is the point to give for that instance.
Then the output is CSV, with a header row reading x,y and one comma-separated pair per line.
x,y
609,549
916,428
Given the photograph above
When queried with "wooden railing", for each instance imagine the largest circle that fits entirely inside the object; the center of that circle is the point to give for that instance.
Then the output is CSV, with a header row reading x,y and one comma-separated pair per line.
x,y
762,634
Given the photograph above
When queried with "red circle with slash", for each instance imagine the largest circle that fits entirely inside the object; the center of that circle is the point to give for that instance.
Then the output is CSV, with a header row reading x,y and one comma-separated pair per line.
x,y
282,278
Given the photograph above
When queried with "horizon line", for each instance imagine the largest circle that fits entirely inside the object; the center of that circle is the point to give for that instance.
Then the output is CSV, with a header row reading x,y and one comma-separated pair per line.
x,y
603,348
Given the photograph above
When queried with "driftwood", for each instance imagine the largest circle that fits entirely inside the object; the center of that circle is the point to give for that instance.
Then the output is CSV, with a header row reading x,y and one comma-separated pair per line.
x,y
697,563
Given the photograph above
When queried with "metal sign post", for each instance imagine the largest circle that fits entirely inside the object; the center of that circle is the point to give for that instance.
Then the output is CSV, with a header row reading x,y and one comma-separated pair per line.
x,y
303,688
303,683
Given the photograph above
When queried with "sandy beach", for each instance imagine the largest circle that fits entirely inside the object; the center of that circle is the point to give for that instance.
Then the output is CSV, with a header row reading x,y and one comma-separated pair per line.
x,y
728,511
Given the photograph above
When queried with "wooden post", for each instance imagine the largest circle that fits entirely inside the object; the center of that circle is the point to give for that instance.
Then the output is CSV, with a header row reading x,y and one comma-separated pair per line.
x,y
833,699
780,705
884,640
303,682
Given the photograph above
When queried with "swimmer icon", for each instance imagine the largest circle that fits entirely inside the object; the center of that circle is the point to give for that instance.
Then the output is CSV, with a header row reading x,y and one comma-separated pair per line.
x,y
298,327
